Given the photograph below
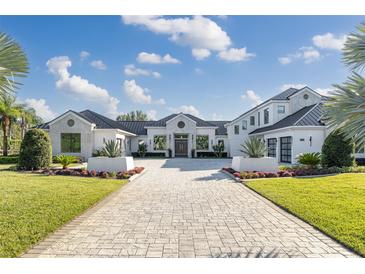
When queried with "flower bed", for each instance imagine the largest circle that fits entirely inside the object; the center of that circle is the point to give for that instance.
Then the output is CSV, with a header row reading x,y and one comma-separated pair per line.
x,y
294,171
93,173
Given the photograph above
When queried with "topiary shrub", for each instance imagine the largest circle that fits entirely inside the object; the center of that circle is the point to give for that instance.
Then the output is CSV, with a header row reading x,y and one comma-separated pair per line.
x,y
35,150
337,151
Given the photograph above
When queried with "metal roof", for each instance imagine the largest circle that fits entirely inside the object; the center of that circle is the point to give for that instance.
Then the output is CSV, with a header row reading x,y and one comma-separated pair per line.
x,y
307,116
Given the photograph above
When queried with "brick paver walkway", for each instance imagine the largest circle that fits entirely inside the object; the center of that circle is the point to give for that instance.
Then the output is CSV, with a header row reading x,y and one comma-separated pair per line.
x,y
187,208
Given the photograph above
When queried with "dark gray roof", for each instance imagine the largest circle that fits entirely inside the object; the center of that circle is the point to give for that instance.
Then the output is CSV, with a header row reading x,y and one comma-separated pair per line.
x,y
307,116
281,96
221,130
99,120
137,127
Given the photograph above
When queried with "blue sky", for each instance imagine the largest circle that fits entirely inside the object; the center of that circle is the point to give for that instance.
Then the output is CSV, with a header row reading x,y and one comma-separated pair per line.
x,y
215,67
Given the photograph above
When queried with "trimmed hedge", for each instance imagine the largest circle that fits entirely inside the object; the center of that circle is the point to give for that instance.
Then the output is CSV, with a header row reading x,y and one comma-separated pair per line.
x,y
337,151
35,150
149,154
9,159
209,154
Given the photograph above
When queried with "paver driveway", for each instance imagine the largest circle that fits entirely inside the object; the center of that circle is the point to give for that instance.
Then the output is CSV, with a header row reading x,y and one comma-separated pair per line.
x,y
187,208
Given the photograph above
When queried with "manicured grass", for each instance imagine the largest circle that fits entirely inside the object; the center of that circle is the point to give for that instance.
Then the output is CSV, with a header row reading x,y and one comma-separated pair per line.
x,y
32,205
334,204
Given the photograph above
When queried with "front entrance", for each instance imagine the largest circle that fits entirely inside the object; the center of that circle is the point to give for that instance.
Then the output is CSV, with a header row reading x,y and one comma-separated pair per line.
x,y
181,145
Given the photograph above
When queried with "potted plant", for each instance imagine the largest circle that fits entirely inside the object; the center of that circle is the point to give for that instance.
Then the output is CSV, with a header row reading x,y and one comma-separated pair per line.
x,y
254,150
142,149
112,161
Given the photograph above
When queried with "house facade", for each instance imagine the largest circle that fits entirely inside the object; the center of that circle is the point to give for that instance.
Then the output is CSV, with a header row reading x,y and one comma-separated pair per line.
x,y
289,123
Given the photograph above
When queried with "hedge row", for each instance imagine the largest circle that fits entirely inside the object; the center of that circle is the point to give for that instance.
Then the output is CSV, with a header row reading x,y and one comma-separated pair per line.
x,y
9,159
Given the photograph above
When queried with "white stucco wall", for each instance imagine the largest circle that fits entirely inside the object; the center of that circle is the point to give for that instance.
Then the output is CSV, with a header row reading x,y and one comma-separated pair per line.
x,y
81,126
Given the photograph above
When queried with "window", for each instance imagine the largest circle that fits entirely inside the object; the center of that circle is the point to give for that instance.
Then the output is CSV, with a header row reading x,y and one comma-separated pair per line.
x,y
181,124
252,120
70,123
285,149
70,142
266,116
236,129
305,96
271,147
281,109
159,142
244,124
202,142
258,118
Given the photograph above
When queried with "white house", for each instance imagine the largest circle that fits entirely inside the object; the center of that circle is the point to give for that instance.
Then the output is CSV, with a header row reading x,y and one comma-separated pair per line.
x,y
289,123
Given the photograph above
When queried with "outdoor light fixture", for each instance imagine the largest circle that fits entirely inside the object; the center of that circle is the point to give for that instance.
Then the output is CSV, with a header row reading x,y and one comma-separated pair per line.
x,y
310,140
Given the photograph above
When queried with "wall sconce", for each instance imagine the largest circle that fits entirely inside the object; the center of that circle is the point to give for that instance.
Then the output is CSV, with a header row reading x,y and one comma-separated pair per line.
x,y
310,140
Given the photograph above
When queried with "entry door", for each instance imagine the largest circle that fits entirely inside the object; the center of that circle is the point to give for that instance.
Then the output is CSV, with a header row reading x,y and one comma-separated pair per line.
x,y
181,148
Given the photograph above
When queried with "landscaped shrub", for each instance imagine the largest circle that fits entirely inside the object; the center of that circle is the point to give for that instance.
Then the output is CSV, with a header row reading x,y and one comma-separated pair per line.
x,y
142,149
123,175
309,159
112,174
254,147
93,173
337,151
66,160
103,174
77,159
111,149
9,159
35,150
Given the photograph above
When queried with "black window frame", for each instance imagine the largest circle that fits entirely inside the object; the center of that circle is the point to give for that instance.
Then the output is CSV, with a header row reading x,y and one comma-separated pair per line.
x,y
252,120
286,149
271,147
71,147
266,116
236,129
244,122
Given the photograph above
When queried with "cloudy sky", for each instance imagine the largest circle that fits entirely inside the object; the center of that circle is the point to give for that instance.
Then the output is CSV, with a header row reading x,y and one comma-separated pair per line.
x,y
214,67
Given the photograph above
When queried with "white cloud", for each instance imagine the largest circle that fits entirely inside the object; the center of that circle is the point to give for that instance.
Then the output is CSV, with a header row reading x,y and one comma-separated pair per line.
x,y
152,114
153,58
296,86
78,87
132,70
307,54
98,64
197,32
252,97
324,91
235,55
41,108
329,41
217,117
84,54
199,71
138,94
200,54
190,109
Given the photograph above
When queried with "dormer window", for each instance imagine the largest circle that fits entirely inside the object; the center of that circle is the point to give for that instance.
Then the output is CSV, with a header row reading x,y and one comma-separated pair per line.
x,y
281,109
266,116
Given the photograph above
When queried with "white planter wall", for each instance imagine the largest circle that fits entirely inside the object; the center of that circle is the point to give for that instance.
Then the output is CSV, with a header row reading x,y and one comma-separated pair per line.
x,y
110,164
265,164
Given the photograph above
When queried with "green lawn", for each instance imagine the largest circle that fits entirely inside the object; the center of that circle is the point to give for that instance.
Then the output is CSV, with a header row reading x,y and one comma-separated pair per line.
x,y
32,205
334,204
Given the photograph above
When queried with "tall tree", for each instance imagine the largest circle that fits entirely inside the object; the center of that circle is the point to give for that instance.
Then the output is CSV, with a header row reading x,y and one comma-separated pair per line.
x,y
345,109
13,64
9,110
137,115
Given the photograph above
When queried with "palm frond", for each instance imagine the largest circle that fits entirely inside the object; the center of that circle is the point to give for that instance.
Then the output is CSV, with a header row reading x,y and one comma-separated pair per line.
x,y
254,147
13,64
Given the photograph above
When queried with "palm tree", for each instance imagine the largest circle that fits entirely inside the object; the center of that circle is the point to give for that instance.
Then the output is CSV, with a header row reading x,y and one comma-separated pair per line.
x,y
27,117
9,110
137,115
345,109
13,63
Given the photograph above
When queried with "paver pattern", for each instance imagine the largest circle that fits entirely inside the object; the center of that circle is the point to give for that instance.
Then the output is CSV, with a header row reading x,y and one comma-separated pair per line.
x,y
187,208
